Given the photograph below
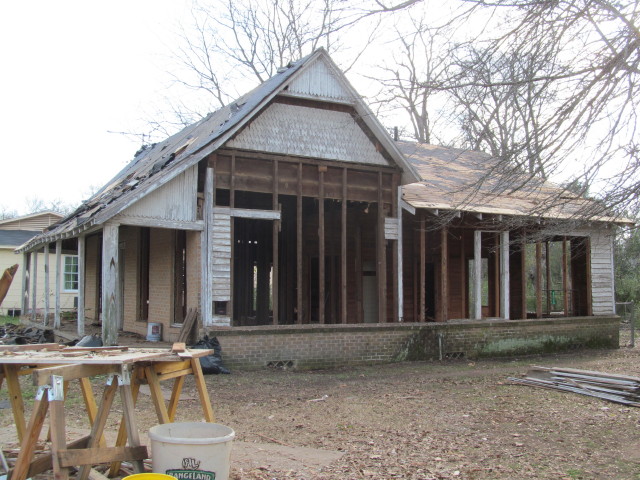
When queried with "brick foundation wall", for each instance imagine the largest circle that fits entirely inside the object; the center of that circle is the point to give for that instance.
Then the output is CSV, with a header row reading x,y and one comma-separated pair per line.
x,y
315,346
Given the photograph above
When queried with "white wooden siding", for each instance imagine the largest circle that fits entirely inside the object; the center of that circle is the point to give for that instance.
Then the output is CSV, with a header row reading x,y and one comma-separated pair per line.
x,y
174,201
308,132
320,81
602,279
34,222
220,268
390,228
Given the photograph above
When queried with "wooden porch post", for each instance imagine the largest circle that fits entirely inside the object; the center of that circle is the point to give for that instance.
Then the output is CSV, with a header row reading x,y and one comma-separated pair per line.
x,y
81,286
565,283
56,321
275,255
34,284
25,282
477,268
321,170
523,277
343,250
399,267
47,286
463,277
110,290
538,280
300,283
207,216
548,284
423,268
381,270
444,274
504,275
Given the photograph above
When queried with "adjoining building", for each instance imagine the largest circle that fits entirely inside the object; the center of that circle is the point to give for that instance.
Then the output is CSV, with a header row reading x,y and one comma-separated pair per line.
x,y
305,235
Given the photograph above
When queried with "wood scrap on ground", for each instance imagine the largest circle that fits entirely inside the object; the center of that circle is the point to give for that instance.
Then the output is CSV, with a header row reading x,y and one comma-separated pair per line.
x,y
622,389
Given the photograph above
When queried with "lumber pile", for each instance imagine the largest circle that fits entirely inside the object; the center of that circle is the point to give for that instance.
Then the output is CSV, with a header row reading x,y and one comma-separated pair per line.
x,y
621,389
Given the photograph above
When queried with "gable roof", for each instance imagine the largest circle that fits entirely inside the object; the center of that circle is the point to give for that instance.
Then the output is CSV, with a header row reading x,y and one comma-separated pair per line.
x,y
466,180
160,163
34,221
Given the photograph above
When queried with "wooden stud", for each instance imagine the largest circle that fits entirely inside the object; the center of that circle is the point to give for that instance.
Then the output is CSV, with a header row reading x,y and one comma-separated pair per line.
x,y
444,274
47,286
565,280
207,215
464,291
28,445
523,277
299,281
34,283
81,284
343,250
548,285
504,275
121,438
57,431
156,395
232,204
128,414
589,291
110,290
58,285
358,269
496,275
396,261
202,390
321,249
25,283
172,408
275,256
381,257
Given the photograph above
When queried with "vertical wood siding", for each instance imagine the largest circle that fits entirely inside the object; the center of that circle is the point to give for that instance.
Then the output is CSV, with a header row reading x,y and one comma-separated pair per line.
x,y
320,81
602,279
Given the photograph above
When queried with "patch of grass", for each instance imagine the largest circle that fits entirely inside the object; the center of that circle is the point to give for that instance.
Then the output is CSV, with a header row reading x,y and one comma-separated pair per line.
x,y
575,473
5,319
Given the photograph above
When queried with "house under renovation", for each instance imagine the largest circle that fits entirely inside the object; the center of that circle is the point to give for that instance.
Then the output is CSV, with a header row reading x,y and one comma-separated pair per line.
x,y
304,235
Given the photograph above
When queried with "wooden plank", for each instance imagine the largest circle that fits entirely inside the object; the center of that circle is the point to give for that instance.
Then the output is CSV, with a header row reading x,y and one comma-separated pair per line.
x,y
565,280
31,347
381,257
187,325
444,274
175,396
589,291
34,284
28,444
58,284
58,437
205,290
156,395
110,290
275,249
42,463
81,283
358,261
42,376
321,245
89,403
343,250
15,398
251,213
121,438
24,285
523,277
504,275
93,456
128,414
299,282
547,262
399,282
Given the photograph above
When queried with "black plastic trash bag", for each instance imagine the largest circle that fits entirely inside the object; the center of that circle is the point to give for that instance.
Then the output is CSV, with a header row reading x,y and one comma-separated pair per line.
x,y
211,364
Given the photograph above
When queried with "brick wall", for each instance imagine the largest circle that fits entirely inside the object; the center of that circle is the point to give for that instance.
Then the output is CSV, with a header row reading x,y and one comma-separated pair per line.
x,y
314,346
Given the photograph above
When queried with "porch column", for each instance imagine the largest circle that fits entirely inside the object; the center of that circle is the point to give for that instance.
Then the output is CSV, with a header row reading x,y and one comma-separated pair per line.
x,y
47,287
381,258
56,320
299,282
343,250
399,265
565,281
81,275
110,290
207,216
321,252
423,269
275,296
25,283
477,277
34,280
504,275
538,280
444,274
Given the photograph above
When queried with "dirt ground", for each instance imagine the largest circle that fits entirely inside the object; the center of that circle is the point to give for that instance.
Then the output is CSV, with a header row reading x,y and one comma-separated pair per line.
x,y
413,420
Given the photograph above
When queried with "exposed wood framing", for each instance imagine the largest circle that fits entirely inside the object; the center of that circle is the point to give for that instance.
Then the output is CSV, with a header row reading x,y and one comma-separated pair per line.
x,y
232,230
589,279
523,277
249,213
275,257
81,283
205,289
565,280
321,252
197,225
477,266
423,269
58,276
504,275
399,292
110,290
358,261
538,280
444,274
463,278
547,262
25,282
34,283
496,275
396,250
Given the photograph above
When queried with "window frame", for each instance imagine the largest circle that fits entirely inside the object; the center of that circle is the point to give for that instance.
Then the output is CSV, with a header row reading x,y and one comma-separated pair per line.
x,y
75,274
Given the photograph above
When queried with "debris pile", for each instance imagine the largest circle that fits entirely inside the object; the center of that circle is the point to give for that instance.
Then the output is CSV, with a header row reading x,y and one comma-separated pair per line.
x,y
621,389
15,334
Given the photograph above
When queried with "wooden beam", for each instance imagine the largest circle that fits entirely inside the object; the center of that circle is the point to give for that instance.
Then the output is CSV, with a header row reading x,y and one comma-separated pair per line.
x,y
232,229
207,215
463,277
321,246
523,277
110,290
343,250
547,263
399,265
589,291
136,221
299,280
396,261
42,376
25,283
250,213
47,285
477,267
496,275
57,321
358,269
423,269
504,275
444,274
275,249
81,283
538,280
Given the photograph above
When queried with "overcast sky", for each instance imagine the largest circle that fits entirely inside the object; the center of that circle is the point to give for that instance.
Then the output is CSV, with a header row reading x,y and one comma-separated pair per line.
x,y
72,71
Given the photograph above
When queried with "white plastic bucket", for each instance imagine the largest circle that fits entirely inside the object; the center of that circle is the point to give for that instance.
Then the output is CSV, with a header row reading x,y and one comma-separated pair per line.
x,y
192,450
154,332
